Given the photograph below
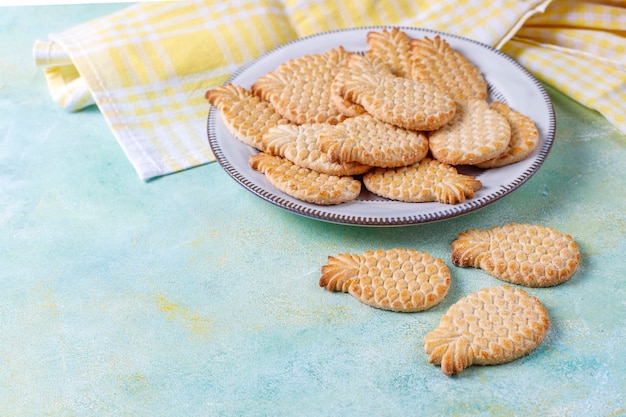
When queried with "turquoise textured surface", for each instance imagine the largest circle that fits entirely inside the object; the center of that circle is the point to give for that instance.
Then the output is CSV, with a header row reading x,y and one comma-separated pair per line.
x,y
189,296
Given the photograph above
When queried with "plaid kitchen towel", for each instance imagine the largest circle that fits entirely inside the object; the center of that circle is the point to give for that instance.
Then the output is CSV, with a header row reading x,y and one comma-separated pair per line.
x,y
148,66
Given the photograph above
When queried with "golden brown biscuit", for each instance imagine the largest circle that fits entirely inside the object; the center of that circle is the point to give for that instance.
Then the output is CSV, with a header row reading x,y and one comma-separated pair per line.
x,y
489,327
299,144
371,142
305,184
523,254
524,137
395,100
475,134
435,62
403,280
393,47
428,180
299,89
245,115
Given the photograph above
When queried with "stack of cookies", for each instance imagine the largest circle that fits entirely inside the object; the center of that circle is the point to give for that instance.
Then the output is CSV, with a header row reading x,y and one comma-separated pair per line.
x,y
396,119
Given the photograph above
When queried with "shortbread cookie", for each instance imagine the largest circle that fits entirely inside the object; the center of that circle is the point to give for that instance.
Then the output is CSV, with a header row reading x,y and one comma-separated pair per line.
x,y
436,62
475,134
395,100
523,254
300,88
303,183
369,141
429,180
393,47
489,327
245,115
343,105
524,137
403,280
299,144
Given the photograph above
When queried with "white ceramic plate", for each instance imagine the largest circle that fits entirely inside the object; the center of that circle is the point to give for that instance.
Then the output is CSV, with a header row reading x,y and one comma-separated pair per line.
x,y
508,82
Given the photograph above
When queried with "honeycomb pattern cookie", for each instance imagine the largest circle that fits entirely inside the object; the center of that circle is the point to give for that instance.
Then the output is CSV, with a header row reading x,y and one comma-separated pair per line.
x,y
245,115
428,180
393,47
402,280
523,254
524,137
435,62
489,327
299,89
395,100
299,144
475,134
303,183
367,140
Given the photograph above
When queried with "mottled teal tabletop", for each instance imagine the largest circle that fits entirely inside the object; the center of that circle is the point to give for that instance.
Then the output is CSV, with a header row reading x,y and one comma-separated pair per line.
x,y
190,296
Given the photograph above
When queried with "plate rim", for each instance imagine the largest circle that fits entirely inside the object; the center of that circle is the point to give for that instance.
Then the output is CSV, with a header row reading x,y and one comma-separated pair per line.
x,y
320,212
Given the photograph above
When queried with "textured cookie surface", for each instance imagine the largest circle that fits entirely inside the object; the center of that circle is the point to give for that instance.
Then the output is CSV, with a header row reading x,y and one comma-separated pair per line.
x,y
523,254
245,115
489,327
435,62
299,144
429,180
300,88
393,47
396,100
524,137
475,134
403,280
305,184
369,141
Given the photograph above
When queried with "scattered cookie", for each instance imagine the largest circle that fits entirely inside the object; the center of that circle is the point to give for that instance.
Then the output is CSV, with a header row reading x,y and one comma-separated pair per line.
x,y
395,100
428,180
435,62
402,280
303,183
299,144
299,89
475,134
369,141
489,327
524,137
245,115
523,254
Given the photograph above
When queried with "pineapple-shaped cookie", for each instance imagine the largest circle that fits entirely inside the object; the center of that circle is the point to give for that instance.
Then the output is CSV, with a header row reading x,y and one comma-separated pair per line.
x,y
523,254
404,280
489,327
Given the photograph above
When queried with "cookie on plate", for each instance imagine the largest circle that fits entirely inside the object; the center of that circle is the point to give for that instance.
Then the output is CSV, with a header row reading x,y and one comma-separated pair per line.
x,y
395,100
303,183
402,280
371,142
436,62
523,254
393,47
489,327
299,144
245,115
299,89
524,137
428,180
476,134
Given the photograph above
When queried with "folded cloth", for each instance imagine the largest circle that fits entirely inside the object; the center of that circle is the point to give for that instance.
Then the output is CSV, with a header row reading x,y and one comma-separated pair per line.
x,y
148,66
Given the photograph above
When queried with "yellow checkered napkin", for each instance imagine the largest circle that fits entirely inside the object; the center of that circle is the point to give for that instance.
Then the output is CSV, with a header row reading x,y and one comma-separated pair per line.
x,y
148,66
580,48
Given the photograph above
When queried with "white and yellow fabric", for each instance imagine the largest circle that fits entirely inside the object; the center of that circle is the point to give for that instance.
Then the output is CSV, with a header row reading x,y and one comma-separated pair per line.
x,y
148,66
